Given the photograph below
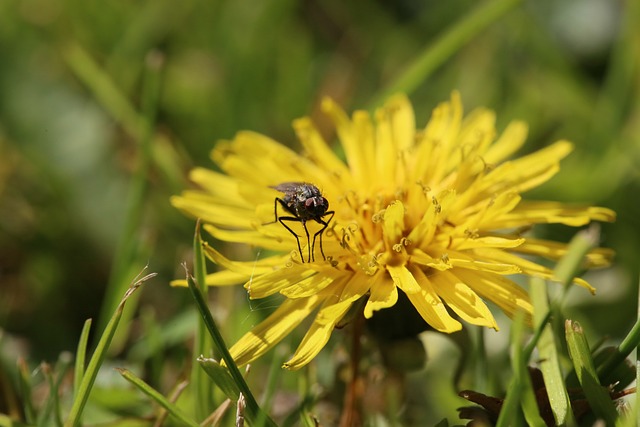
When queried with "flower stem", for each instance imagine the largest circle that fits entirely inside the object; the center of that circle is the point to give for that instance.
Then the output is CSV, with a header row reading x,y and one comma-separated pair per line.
x,y
352,408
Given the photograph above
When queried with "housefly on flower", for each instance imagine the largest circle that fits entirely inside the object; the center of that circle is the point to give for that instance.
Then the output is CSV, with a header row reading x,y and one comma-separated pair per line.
x,y
304,202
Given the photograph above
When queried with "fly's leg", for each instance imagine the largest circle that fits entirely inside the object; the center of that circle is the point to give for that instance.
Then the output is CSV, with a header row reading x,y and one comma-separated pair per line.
x,y
287,218
325,224
282,219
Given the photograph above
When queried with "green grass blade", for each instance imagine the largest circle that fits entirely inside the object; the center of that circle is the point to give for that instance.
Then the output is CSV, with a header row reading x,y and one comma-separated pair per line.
x,y
520,391
54,378
597,395
158,398
203,392
52,398
628,344
509,414
571,264
443,49
81,355
549,358
273,378
98,356
127,254
253,411
529,403
221,376
104,89
24,382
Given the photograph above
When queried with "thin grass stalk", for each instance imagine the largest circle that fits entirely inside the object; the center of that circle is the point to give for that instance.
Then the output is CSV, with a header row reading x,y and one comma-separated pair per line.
x,y
628,344
253,411
81,354
509,413
98,357
436,54
597,395
127,250
24,383
202,390
550,364
178,413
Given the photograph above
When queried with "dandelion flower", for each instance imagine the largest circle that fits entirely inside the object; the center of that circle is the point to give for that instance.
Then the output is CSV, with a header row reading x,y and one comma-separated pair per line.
x,y
434,213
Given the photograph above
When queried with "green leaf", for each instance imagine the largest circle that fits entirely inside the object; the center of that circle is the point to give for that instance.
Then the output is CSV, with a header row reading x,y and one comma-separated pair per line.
x,y
221,376
520,391
628,344
81,356
571,264
598,396
253,411
549,358
202,344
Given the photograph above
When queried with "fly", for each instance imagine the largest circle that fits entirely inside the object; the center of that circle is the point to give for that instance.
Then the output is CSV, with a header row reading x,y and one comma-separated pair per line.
x,y
304,202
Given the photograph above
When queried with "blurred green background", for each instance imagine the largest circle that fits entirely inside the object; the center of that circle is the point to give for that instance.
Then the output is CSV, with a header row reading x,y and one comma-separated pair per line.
x,y
81,80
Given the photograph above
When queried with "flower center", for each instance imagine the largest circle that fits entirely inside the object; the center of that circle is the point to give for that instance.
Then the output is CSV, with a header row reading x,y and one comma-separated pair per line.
x,y
359,228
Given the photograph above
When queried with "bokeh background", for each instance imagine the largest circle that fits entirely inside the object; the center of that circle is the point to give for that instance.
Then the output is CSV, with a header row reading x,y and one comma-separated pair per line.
x,y
83,83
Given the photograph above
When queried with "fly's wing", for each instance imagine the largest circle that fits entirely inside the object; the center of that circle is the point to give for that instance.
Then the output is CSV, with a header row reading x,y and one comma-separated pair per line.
x,y
287,187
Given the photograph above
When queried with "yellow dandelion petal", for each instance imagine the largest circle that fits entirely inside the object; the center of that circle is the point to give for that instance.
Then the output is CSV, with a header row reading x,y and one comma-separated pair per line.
x,y
424,231
279,241
244,156
528,267
476,134
318,335
399,111
530,212
313,285
403,279
598,257
318,150
393,223
221,188
202,207
462,300
503,292
471,264
395,135
439,140
364,134
529,171
511,140
503,242
219,278
273,329
421,258
269,283
384,294
258,268
331,313
476,215
353,148
428,303
436,214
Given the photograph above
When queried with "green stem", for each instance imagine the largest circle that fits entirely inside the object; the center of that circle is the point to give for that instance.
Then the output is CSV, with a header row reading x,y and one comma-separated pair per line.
x,y
442,49
252,409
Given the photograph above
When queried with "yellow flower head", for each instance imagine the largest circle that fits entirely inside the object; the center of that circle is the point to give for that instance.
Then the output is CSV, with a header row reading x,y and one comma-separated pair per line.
x,y
435,213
